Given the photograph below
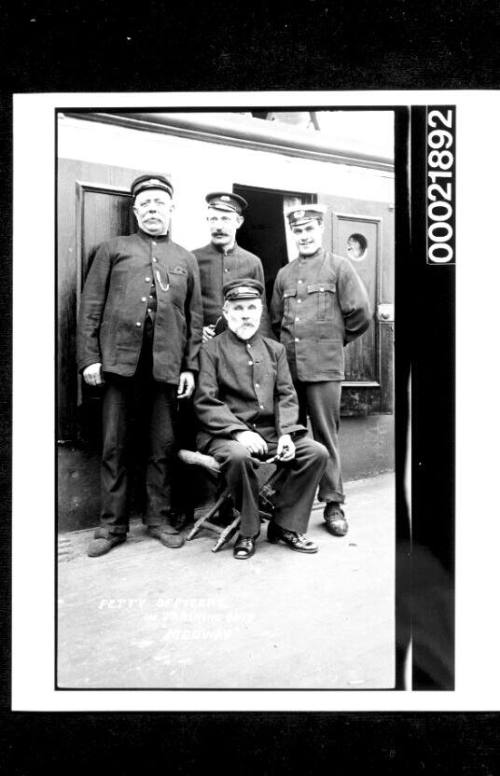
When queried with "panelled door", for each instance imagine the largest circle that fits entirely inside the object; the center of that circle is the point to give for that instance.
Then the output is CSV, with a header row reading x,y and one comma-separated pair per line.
x,y
363,231
94,205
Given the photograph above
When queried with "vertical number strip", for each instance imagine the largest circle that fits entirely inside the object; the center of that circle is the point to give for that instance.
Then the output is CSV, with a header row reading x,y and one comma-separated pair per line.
x,y
441,153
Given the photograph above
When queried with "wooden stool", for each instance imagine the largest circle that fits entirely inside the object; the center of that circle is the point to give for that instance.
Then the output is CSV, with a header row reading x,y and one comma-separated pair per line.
x,y
225,533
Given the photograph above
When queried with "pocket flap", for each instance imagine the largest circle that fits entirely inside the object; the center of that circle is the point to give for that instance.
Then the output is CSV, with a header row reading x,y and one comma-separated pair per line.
x,y
321,288
178,270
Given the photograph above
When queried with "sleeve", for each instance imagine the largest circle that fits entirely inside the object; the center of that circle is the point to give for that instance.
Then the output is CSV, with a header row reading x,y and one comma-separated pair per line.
x,y
213,414
286,404
193,311
92,304
265,324
277,306
354,303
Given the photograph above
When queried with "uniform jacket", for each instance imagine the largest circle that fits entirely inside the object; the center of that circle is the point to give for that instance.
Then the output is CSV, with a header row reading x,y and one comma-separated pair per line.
x,y
245,385
319,304
115,300
219,267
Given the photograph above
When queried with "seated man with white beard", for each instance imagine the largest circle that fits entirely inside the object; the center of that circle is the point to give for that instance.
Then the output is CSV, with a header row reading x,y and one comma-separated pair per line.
x,y
247,408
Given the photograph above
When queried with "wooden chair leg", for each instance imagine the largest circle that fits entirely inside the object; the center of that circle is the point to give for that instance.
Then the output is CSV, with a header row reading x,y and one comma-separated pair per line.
x,y
227,534
200,522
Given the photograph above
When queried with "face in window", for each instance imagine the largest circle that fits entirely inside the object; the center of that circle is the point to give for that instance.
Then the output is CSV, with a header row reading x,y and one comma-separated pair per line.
x,y
356,246
152,209
223,226
243,316
308,237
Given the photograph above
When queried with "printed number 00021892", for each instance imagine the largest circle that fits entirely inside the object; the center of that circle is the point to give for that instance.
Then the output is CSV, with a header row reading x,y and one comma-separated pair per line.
x,y
441,186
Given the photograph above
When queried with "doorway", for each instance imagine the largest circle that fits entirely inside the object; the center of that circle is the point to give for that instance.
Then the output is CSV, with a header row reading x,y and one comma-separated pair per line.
x,y
264,230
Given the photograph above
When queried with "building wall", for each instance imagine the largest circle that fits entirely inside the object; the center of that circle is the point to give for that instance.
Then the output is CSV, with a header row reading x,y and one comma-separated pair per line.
x,y
197,167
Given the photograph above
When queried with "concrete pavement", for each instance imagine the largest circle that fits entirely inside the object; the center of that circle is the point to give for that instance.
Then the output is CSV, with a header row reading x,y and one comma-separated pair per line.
x,y
145,616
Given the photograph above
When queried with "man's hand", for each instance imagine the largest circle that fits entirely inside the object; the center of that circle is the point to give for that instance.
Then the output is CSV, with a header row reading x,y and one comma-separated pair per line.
x,y
253,442
186,385
93,374
286,448
208,332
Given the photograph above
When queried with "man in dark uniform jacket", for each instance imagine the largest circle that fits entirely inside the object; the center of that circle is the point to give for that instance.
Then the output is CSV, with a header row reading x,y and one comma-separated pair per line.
x,y
247,409
222,260
139,334
319,304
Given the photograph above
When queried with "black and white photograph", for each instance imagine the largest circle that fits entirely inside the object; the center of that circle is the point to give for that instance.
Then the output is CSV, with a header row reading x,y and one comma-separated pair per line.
x,y
245,455
225,393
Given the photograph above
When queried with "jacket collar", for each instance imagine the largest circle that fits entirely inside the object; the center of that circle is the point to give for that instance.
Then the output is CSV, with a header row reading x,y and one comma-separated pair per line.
x,y
156,237
221,251
234,338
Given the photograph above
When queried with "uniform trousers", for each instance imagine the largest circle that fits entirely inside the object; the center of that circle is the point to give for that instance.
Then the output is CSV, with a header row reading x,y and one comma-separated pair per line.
x,y
297,483
152,406
321,401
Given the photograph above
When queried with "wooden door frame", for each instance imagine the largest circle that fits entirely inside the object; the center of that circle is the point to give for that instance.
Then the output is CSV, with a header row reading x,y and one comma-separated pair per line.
x,y
378,221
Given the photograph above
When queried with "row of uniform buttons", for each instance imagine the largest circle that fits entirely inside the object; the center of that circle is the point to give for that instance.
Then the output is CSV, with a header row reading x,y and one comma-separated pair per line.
x,y
256,385
148,280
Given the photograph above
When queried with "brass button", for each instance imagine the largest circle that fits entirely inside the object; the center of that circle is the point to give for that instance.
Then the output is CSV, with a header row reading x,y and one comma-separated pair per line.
x,y
148,280
143,299
138,323
250,363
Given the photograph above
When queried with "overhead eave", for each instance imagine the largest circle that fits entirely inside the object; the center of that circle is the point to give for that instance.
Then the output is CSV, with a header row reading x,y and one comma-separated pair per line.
x,y
238,132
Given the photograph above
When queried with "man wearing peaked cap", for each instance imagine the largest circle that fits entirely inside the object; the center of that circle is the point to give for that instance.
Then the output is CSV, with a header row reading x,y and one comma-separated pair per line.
x,y
139,333
301,215
247,409
246,288
144,182
222,259
319,305
226,201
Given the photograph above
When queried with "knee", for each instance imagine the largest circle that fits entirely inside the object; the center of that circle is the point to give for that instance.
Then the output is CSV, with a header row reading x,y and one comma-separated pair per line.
x,y
319,452
238,456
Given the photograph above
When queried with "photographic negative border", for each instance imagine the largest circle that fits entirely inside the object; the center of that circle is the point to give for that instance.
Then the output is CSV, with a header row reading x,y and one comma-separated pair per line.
x,y
406,282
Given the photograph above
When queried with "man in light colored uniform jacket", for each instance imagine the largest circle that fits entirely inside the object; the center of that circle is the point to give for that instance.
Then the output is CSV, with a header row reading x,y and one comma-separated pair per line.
x,y
319,305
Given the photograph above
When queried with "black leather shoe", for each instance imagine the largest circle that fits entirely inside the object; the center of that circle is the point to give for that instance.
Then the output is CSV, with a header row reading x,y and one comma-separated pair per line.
x,y
296,541
244,547
336,524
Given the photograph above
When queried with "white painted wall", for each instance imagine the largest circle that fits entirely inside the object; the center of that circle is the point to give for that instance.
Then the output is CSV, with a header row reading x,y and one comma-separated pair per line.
x,y
198,167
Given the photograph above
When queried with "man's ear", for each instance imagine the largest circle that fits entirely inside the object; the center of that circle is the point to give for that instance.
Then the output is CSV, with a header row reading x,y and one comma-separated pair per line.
x,y
239,221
